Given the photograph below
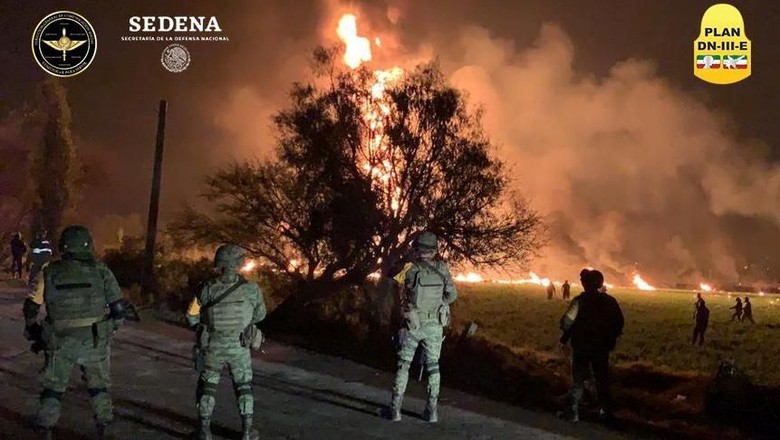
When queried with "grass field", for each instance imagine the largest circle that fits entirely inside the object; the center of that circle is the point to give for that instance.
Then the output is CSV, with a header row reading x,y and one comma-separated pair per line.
x,y
658,329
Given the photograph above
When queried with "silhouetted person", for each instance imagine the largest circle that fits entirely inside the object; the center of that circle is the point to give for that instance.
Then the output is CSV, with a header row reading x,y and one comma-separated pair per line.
x,y
747,311
699,300
737,310
592,323
702,317
18,249
566,290
550,290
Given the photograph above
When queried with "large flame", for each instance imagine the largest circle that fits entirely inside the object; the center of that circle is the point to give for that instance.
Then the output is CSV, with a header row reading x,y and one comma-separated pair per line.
x,y
705,287
377,160
358,49
641,284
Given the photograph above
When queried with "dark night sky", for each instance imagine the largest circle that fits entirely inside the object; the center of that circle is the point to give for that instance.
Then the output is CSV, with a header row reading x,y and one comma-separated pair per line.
x,y
114,102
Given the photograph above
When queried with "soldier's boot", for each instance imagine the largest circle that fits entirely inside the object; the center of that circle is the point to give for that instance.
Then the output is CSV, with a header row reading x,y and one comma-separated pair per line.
x,y
395,407
44,433
204,431
249,431
570,414
101,431
431,413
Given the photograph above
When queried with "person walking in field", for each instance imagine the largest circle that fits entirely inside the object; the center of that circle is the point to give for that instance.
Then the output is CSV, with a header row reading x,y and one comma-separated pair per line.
x,y
550,290
593,324
566,290
702,318
747,311
737,308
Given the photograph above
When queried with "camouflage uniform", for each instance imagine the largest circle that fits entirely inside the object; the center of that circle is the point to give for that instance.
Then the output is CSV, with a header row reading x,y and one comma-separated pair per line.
x,y
219,334
428,292
84,307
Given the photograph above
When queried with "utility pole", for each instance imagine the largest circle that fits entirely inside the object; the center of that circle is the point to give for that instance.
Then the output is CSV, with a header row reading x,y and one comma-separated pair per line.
x,y
147,276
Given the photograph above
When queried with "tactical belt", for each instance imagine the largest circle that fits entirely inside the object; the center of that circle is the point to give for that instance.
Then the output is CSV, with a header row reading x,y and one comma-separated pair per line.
x,y
80,322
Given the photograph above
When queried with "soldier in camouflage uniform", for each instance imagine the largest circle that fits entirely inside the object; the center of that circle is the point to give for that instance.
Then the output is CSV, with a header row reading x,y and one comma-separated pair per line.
x,y
84,307
428,290
225,311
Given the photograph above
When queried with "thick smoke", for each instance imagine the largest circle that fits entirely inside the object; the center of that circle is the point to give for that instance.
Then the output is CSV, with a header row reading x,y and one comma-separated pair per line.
x,y
632,174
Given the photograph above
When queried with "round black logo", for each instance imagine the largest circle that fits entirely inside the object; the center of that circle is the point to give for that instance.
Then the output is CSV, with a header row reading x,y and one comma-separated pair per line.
x,y
64,43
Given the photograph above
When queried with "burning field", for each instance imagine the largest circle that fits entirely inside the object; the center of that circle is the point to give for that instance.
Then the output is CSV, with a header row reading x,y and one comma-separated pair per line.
x,y
658,330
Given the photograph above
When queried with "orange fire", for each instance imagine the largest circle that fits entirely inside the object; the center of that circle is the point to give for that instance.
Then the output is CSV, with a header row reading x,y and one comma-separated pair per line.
x,y
705,287
641,284
469,277
534,279
377,158
248,266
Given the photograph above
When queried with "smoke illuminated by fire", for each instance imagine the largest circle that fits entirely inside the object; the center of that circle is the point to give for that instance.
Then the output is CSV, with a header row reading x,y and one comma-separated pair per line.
x,y
377,157
641,284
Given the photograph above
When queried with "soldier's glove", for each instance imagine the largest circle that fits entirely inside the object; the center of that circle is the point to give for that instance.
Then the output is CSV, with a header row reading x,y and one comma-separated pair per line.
x,y
33,332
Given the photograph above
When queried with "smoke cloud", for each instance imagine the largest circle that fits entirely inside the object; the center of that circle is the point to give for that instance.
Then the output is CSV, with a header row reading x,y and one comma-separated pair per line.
x,y
631,173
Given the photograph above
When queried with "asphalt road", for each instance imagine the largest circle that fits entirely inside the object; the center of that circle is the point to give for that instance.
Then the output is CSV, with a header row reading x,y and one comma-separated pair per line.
x,y
298,395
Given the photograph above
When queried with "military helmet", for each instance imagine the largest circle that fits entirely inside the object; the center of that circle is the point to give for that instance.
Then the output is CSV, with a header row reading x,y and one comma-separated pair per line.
x,y
427,241
229,256
76,240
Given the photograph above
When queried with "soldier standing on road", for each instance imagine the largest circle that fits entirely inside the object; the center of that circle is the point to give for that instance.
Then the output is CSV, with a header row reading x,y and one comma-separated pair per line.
x,y
41,254
593,323
737,310
702,317
18,249
226,312
566,290
84,307
428,291
747,311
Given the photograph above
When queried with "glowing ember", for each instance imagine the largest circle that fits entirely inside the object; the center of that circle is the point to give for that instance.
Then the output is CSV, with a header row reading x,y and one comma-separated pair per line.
x,y
760,293
470,277
641,284
248,266
705,287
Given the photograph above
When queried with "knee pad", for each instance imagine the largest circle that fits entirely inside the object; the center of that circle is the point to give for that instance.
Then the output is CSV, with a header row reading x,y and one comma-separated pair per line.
x,y
205,389
432,368
243,389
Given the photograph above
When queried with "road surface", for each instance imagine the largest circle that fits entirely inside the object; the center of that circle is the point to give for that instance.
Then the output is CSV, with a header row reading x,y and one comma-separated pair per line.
x,y
298,395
